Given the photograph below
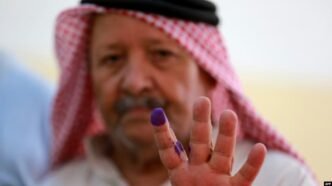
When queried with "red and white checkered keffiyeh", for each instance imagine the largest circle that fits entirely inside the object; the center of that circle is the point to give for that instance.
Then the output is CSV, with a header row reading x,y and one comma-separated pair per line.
x,y
74,113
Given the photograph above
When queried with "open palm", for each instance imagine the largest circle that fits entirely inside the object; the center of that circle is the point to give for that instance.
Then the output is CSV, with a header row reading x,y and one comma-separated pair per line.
x,y
205,165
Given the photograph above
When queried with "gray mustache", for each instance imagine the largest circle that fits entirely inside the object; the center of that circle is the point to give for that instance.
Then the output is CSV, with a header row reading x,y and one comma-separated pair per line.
x,y
127,103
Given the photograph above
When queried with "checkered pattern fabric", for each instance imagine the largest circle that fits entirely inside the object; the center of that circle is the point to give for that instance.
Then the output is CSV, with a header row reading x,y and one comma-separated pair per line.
x,y
73,114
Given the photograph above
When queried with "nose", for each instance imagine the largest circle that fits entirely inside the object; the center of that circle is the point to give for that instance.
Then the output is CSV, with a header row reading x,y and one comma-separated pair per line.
x,y
137,77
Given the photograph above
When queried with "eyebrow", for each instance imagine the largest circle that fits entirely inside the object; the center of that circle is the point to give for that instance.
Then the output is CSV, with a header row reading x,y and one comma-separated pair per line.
x,y
105,48
145,41
113,45
155,41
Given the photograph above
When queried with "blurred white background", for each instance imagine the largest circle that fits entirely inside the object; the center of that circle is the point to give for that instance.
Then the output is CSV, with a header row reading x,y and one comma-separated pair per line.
x,y
282,51
289,38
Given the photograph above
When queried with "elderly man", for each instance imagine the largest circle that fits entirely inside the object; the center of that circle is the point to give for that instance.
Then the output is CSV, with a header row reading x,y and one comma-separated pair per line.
x,y
122,59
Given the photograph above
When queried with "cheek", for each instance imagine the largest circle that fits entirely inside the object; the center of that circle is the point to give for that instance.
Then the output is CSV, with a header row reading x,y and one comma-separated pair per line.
x,y
181,91
180,86
104,84
105,96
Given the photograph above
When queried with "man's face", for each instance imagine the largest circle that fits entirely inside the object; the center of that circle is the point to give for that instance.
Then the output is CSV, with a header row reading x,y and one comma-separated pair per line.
x,y
134,68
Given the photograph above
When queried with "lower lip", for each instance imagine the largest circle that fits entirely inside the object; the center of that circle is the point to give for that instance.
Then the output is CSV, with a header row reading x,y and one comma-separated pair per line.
x,y
137,113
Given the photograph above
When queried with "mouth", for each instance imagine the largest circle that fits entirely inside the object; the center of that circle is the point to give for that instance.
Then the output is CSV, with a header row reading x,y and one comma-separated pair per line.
x,y
138,111
137,114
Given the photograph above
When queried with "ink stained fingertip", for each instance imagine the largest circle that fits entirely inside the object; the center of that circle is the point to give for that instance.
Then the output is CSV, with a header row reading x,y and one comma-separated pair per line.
x,y
158,117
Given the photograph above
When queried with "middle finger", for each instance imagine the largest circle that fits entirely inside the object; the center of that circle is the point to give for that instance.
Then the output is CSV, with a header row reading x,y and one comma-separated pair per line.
x,y
200,139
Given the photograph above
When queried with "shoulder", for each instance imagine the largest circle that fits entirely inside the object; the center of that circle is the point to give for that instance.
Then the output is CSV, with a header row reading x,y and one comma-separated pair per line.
x,y
279,168
283,169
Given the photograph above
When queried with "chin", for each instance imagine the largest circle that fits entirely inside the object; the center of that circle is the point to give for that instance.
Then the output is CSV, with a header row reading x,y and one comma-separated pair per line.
x,y
142,138
135,135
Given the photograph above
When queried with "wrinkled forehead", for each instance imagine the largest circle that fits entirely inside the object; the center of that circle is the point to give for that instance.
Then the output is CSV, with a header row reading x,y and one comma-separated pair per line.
x,y
113,24
111,29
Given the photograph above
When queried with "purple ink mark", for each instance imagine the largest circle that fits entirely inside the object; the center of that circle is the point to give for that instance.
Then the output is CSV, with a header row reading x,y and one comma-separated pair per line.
x,y
158,117
178,147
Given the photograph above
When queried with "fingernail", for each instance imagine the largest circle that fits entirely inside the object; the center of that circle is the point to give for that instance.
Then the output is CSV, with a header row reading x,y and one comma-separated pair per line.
x,y
158,117
178,147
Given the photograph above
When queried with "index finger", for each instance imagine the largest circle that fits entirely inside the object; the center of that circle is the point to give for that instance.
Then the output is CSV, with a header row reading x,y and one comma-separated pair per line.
x,y
171,151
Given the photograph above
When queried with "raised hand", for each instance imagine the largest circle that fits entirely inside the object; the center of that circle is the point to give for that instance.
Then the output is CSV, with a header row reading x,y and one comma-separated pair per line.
x,y
205,165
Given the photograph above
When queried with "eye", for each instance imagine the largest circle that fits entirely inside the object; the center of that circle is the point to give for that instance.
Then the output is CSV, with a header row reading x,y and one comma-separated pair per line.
x,y
111,59
162,54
